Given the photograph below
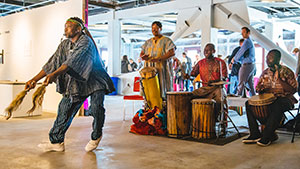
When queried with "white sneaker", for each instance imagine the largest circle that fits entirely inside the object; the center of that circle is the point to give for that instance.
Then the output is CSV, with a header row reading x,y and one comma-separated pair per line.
x,y
92,144
52,147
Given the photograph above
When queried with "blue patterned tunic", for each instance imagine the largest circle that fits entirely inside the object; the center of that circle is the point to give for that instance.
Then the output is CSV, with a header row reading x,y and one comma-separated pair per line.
x,y
86,72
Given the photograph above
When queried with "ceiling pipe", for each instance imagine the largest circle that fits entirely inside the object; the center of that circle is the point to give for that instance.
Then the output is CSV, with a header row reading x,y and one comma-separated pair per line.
x,y
26,7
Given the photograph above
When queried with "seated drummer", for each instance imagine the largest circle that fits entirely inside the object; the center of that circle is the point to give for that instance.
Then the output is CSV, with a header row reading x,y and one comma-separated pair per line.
x,y
209,69
280,81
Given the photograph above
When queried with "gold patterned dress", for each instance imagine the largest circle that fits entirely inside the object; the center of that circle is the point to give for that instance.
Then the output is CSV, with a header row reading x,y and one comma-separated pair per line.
x,y
156,49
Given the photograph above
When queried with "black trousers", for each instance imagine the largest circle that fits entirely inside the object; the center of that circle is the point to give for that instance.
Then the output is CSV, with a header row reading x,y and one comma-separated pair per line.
x,y
277,109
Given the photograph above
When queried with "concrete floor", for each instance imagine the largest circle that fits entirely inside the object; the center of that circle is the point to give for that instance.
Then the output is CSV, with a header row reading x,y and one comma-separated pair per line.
x,y
120,149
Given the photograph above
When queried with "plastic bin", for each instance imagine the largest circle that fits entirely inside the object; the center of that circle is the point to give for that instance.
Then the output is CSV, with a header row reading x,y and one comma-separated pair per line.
x,y
115,81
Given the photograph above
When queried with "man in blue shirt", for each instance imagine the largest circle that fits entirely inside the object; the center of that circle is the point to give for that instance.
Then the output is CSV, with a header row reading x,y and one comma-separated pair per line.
x,y
246,56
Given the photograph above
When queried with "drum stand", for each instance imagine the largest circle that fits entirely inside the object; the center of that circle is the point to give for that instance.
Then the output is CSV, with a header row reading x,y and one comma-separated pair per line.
x,y
222,123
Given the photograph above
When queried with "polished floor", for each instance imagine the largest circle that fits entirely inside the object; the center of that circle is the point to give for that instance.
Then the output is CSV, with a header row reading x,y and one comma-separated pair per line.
x,y
120,149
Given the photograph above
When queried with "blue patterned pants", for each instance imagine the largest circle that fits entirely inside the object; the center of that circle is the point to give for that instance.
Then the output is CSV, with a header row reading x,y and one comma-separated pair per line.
x,y
67,110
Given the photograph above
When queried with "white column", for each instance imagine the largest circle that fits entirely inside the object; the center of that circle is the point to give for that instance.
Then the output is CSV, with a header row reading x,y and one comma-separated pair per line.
x,y
297,38
114,45
269,30
208,34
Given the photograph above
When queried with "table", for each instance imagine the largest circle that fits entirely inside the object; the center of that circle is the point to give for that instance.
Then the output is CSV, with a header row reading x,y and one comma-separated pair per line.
x,y
237,103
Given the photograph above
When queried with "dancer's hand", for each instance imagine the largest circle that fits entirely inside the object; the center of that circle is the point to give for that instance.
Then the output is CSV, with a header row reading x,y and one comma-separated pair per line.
x,y
49,79
154,60
30,84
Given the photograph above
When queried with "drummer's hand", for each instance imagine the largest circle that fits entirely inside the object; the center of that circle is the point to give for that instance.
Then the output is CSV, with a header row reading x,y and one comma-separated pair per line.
x,y
260,89
186,76
154,60
210,82
30,84
145,57
230,66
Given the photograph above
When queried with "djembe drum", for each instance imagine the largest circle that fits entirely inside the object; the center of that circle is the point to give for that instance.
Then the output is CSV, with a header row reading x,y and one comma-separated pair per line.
x,y
178,113
151,87
203,119
260,105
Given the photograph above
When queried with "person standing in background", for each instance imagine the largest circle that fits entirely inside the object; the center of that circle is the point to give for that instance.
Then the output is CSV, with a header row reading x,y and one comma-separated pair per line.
x,y
125,65
178,74
196,81
187,68
140,64
234,75
197,60
133,65
246,56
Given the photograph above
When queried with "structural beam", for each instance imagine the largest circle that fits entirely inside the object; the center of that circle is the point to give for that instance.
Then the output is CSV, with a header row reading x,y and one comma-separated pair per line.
x,y
272,4
102,4
165,7
17,3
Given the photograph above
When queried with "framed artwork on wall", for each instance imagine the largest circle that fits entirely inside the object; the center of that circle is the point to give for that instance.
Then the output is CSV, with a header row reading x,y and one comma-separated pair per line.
x,y
2,57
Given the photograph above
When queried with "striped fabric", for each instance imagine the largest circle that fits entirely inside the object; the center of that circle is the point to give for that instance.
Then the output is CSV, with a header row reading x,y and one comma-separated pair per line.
x,y
269,82
86,74
67,111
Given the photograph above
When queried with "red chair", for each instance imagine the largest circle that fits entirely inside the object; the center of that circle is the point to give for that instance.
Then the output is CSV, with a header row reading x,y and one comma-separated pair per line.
x,y
136,88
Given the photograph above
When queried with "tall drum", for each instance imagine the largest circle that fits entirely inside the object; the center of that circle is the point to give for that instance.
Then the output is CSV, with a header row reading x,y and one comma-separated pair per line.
x,y
203,119
151,86
260,105
178,113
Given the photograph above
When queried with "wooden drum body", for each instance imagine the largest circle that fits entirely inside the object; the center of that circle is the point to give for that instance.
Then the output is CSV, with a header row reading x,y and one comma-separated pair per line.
x,y
260,105
203,119
178,113
151,87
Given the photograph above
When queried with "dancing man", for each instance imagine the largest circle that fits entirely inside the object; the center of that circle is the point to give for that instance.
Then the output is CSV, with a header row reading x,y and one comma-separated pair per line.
x,y
78,72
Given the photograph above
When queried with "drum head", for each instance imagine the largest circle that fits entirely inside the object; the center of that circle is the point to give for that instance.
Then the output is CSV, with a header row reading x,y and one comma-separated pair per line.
x,y
203,101
262,99
179,93
148,72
